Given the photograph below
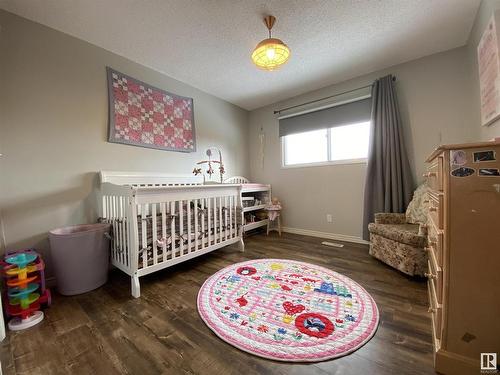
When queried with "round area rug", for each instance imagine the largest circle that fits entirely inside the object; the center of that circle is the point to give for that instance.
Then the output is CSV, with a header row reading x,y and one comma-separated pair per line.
x,y
287,310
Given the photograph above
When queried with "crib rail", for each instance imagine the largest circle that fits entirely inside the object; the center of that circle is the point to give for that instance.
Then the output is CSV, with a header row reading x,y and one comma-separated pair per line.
x,y
145,179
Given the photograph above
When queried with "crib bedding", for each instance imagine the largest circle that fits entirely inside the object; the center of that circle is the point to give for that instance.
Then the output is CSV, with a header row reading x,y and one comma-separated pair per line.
x,y
178,251
165,240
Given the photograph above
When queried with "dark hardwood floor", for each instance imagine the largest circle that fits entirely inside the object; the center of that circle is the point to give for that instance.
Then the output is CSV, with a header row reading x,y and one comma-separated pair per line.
x,y
108,332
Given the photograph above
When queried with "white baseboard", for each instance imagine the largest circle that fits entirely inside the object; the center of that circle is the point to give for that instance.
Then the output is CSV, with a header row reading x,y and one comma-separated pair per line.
x,y
331,236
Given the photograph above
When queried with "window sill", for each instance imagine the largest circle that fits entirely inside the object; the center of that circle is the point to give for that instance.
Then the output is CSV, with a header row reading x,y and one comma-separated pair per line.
x,y
325,163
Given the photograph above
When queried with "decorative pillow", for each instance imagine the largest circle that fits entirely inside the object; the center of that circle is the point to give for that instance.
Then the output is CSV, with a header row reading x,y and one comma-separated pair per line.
x,y
416,213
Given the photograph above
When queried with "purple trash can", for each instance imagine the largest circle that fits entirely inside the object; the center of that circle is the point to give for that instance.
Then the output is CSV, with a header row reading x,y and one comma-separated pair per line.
x,y
80,256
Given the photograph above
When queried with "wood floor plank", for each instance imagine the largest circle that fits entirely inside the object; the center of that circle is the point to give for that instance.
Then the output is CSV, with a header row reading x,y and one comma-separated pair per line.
x,y
108,332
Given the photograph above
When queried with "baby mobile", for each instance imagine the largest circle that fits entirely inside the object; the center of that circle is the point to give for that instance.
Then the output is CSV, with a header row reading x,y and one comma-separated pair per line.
x,y
210,170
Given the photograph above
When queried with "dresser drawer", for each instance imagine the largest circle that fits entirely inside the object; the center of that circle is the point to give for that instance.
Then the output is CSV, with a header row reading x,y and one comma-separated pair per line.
x,y
435,309
435,275
436,341
434,174
435,240
436,208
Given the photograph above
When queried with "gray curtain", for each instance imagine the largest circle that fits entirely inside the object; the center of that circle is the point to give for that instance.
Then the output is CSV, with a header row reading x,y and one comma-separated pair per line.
x,y
389,182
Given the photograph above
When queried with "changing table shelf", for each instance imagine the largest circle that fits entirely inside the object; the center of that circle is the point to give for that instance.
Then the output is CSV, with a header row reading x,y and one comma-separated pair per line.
x,y
255,215
254,208
255,225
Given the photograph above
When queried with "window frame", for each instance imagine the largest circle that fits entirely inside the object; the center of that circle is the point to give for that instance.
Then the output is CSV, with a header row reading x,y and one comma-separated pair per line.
x,y
319,163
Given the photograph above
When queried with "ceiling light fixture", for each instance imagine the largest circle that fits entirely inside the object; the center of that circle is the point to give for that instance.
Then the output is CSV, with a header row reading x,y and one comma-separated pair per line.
x,y
271,53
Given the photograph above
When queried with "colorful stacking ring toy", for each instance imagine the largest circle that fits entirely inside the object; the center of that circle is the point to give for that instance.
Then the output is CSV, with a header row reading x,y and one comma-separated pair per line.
x,y
24,273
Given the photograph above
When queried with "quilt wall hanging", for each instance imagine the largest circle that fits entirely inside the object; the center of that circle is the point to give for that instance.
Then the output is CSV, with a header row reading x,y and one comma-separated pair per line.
x,y
146,116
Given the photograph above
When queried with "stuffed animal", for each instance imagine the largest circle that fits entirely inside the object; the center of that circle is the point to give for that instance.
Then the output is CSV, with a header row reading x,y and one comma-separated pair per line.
x,y
273,209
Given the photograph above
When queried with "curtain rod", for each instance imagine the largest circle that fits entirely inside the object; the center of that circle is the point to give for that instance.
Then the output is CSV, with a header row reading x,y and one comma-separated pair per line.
x,y
326,97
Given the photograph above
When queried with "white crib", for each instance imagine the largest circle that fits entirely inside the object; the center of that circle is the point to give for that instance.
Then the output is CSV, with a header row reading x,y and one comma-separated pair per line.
x,y
159,220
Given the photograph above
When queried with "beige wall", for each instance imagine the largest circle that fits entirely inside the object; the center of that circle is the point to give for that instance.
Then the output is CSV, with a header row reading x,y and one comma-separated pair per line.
x,y
434,97
53,133
482,18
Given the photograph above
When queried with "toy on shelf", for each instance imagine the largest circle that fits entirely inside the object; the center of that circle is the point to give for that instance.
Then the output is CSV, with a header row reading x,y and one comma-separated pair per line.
x,y
24,273
274,215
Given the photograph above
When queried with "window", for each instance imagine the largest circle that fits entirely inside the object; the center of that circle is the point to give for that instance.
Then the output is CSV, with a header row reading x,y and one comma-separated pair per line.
x,y
305,148
341,144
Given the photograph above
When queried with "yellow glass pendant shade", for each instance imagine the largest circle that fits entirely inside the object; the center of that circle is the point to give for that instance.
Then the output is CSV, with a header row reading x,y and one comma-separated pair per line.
x,y
271,53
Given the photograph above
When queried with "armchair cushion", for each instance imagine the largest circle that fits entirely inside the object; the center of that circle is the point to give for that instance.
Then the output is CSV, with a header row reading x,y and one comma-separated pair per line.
x,y
404,233
389,218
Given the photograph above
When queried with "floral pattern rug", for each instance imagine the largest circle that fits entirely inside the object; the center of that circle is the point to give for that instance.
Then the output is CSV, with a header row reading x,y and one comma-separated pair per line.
x,y
287,310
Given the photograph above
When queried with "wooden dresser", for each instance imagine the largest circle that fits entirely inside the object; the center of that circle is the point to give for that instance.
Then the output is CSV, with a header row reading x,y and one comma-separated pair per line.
x,y
464,255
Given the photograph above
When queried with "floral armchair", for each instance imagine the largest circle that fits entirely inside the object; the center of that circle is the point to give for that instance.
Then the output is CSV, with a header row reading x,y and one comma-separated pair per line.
x,y
399,239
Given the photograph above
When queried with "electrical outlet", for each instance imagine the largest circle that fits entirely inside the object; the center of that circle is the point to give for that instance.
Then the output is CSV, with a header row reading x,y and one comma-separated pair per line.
x,y
329,218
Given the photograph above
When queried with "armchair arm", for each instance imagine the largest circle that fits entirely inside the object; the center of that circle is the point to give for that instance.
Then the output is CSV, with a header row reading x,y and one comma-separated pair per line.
x,y
390,218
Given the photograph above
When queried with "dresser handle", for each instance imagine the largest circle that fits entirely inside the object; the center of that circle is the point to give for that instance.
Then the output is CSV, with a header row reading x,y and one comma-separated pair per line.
x,y
426,201
431,309
430,275
433,209
430,174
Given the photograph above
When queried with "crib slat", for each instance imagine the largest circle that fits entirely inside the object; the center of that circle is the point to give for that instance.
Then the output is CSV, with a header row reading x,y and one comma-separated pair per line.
x,y
203,235
188,224
111,221
108,220
116,229
195,224
214,222
155,233
144,234
215,219
116,232
122,232
123,224
119,223
226,229
220,219
125,230
104,208
163,231
209,224
236,202
114,225
181,227
172,229
231,216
